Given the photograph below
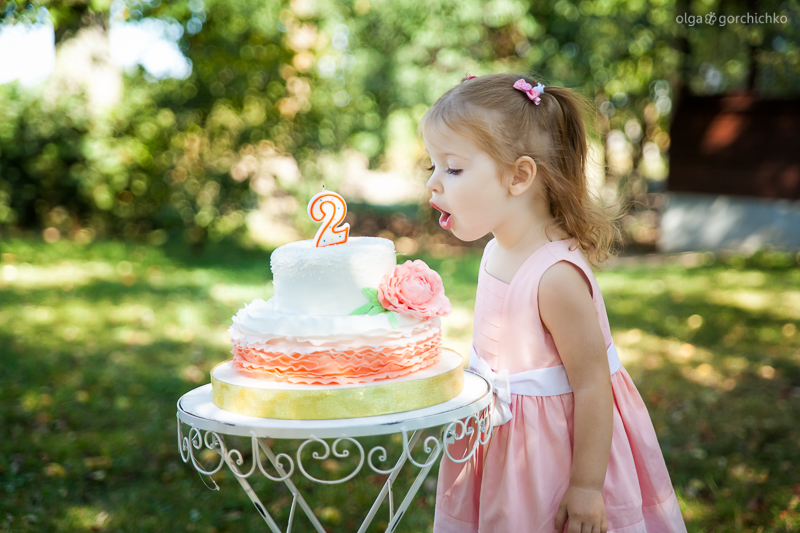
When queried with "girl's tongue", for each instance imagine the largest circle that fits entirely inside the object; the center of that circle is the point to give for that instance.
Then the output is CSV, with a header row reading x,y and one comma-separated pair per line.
x,y
446,220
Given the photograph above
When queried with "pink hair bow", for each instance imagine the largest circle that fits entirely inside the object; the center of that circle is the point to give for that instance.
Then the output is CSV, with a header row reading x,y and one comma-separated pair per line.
x,y
532,92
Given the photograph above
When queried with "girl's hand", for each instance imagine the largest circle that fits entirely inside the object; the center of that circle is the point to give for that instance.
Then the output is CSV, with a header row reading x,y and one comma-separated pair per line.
x,y
585,510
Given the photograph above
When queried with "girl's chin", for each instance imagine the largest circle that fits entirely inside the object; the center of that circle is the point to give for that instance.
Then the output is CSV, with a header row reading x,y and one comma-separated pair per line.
x,y
466,236
448,222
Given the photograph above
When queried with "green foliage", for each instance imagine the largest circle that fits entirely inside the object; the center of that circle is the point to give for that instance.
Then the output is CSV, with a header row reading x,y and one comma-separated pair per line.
x,y
139,169
307,79
38,149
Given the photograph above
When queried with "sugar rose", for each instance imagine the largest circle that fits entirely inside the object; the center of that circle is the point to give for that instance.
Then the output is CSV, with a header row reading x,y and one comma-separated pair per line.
x,y
414,289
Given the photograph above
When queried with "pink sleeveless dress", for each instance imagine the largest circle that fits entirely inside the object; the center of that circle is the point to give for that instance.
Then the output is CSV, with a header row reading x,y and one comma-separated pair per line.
x,y
516,482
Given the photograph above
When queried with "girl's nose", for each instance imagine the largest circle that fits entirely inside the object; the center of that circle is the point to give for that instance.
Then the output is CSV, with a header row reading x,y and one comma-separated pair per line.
x,y
434,185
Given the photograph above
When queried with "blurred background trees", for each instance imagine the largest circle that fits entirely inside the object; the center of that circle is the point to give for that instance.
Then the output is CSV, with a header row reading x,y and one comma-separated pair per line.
x,y
271,99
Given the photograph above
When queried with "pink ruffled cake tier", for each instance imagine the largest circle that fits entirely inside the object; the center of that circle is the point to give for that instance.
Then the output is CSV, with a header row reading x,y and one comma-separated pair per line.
x,y
340,363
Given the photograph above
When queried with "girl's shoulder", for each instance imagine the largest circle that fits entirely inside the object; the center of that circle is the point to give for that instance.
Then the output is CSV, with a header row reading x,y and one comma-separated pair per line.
x,y
545,256
565,264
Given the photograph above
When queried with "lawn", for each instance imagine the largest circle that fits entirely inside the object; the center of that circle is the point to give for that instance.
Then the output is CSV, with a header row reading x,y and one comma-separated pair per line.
x,y
99,341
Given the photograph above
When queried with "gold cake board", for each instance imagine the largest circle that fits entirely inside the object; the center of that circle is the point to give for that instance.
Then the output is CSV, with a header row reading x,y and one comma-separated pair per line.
x,y
238,393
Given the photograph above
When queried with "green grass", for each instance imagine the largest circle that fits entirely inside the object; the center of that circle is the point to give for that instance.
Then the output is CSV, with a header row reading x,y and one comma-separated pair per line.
x,y
98,342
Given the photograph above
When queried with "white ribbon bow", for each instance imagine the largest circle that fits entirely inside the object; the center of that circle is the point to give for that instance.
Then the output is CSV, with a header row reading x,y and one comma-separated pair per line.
x,y
550,381
501,387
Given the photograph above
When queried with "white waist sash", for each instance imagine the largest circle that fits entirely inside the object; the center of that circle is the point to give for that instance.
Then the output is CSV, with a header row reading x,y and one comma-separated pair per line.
x,y
550,381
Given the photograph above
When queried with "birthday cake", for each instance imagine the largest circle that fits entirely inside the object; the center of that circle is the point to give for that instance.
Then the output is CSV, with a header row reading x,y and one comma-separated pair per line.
x,y
348,331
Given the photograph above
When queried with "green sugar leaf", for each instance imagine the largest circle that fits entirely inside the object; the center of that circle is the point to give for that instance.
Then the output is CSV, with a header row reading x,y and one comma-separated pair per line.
x,y
363,310
371,294
393,319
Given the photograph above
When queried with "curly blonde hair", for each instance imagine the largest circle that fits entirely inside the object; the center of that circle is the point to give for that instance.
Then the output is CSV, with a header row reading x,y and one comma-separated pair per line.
x,y
506,124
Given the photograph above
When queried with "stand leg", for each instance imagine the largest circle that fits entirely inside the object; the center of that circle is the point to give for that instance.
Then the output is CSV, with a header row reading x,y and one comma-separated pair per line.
x,y
387,487
292,488
255,499
423,473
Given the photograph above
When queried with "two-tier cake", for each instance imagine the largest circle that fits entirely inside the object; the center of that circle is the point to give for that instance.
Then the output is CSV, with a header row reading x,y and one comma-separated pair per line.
x,y
347,333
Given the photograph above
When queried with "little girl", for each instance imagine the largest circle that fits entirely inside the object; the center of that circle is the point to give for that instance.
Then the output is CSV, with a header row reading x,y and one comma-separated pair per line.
x,y
573,447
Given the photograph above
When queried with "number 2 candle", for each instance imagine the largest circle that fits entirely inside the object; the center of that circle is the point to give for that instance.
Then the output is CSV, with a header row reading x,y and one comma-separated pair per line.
x,y
330,209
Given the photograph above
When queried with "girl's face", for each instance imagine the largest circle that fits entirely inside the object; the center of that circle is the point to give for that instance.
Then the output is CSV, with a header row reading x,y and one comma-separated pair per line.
x,y
467,185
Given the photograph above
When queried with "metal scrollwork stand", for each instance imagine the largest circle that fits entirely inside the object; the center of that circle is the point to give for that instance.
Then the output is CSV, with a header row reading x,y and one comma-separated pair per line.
x,y
467,416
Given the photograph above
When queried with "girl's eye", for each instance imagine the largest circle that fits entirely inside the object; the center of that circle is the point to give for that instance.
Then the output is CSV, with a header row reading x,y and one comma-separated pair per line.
x,y
454,171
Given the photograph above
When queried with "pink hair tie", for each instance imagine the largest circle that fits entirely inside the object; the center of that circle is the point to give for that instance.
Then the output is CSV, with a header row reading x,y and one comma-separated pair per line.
x,y
532,92
470,77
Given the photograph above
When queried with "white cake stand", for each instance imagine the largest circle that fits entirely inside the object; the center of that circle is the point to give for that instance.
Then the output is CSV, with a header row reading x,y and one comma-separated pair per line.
x,y
197,410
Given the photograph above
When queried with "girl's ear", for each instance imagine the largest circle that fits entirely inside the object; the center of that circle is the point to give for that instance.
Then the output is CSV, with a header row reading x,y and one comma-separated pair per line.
x,y
523,176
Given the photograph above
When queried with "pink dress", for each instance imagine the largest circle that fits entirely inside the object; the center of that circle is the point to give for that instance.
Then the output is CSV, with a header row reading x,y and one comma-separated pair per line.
x,y
516,482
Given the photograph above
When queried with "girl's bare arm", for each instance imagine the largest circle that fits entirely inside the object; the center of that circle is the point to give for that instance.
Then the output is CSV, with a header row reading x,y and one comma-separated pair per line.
x,y
567,310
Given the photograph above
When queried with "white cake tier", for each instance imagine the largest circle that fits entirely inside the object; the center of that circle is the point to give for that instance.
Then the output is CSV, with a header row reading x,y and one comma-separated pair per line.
x,y
328,280
260,321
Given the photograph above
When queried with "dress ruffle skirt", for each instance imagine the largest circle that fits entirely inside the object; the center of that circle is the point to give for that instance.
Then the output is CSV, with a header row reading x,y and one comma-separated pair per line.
x,y
518,479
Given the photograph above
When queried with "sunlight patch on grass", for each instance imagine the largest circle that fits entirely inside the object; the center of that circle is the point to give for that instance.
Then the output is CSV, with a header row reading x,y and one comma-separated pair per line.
x,y
625,342
132,314
193,374
132,337
84,518
703,374
692,509
33,401
782,304
741,279
646,284
177,334
790,302
214,337
685,284
696,363
625,282
189,315
629,337
66,275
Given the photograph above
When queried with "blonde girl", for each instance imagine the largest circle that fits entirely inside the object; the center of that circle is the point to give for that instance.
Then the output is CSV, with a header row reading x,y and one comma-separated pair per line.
x,y
573,448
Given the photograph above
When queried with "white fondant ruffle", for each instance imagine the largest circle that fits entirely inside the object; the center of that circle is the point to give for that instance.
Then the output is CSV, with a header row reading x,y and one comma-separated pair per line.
x,y
242,337
259,318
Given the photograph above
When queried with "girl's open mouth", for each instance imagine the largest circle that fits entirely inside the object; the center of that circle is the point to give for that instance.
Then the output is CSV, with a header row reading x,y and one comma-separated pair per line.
x,y
445,219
